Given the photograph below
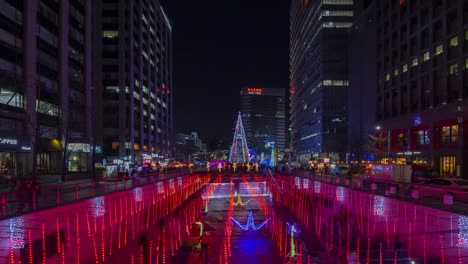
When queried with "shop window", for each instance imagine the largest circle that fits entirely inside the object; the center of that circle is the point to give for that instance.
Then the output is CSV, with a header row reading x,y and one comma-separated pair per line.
x,y
402,140
447,166
7,164
449,134
422,137
77,162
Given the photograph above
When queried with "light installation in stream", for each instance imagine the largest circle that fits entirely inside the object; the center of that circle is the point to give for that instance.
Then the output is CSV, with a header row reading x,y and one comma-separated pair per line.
x,y
250,223
293,231
198,246
239,200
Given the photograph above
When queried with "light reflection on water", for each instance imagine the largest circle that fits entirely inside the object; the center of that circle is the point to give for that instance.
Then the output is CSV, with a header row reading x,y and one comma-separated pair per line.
x,y
16,228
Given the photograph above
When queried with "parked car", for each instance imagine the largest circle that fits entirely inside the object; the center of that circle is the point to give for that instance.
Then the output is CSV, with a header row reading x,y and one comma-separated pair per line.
x,y
456,188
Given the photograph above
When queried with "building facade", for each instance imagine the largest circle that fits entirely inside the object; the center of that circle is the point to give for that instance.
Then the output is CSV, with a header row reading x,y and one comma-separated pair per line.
x,y
265,119
319,78
422,93
45,87
362,90
133,93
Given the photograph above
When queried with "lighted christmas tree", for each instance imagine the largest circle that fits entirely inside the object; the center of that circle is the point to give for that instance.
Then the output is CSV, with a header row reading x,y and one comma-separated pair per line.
x,y
239,150
273,157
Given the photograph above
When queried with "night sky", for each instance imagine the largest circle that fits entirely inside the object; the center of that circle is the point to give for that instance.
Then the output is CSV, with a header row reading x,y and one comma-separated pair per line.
x,y
220,47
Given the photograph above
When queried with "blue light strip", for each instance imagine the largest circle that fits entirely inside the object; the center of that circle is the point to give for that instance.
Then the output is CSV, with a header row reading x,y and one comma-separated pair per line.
x,y
250,223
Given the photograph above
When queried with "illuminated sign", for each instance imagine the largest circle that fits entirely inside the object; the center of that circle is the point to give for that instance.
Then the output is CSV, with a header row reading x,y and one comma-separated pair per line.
x,y
79,147
254,90
8,141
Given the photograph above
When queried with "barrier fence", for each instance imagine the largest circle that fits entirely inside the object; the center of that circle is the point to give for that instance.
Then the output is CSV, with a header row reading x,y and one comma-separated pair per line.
x,y
449,200
20,202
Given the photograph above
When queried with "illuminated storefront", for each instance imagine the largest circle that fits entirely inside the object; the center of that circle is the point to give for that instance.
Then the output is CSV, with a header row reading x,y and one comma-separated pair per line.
x,y
13,152
78,156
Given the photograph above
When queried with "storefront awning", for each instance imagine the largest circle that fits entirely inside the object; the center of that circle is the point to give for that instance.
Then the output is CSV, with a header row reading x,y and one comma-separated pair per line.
x,y
46,144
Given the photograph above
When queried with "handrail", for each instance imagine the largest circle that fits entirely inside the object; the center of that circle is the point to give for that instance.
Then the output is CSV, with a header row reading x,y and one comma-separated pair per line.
x,y
395,190
14,203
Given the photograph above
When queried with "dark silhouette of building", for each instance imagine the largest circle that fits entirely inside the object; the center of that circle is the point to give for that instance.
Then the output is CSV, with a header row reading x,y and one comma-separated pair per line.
x,y
362,82
133,49
319,77
264,117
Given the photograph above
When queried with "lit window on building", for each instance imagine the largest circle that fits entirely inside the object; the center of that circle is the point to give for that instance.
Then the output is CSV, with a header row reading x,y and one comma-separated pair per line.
x,y
115,145
402,140
423,137
426,56
387,77
439,49
110,34
337,13
47,108
415,62
405,68
11,98
395,73
453,69
337,2
112,89
454,42
449,134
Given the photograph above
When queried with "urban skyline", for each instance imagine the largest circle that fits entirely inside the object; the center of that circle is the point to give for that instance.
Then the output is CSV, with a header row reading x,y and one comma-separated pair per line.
x,y
218,132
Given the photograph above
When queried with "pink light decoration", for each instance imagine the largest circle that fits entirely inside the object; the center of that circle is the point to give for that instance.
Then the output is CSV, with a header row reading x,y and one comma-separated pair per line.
x,y
68,232
44,256
58,236
63,253
30,247
78,242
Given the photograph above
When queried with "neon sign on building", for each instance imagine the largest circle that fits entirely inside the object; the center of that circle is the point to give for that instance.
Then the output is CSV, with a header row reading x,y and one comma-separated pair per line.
x,y
254,91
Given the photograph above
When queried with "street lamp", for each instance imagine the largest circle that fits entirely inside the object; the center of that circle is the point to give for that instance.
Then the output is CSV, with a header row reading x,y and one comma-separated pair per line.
x,y
379,128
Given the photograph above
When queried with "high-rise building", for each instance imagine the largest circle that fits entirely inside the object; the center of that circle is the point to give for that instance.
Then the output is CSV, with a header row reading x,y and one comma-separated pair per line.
x,y
264,115
133,92
319,77
362,74
45,87
422,93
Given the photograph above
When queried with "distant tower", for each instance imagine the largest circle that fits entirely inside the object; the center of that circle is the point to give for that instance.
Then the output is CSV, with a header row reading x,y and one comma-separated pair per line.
x,y
239,150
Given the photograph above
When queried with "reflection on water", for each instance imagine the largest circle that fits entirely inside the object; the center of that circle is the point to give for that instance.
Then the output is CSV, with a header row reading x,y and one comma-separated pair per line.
x,y
317,187
171,183
340,194
305,183
99,206
138,194
379,205
463,231
16,226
